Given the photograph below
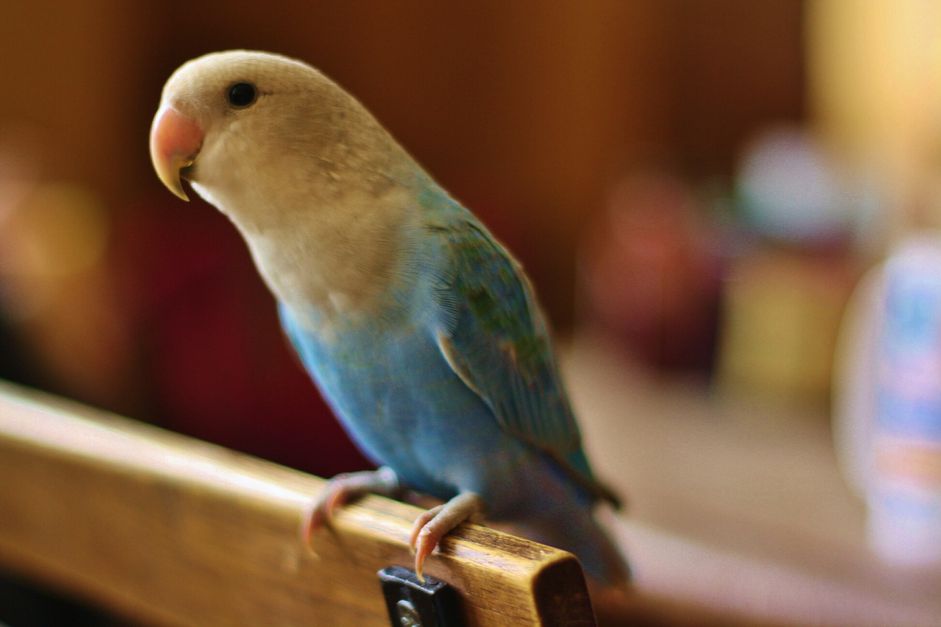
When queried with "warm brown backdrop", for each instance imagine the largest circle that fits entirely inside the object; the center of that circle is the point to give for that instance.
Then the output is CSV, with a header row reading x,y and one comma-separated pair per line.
x,y
525,109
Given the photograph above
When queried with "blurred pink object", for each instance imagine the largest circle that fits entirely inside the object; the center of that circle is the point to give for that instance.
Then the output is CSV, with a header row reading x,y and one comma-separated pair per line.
x,y
650,274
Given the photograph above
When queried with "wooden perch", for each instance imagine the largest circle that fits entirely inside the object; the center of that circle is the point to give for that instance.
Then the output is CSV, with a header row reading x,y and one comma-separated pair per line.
x,y
171,530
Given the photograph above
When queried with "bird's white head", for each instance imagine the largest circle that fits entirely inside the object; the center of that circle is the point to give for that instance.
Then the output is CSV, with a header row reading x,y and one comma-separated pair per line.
x,y
215,96
230,122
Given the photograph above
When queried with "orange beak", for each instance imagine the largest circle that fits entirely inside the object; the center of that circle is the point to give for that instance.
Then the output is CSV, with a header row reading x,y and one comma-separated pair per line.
x,y
175,141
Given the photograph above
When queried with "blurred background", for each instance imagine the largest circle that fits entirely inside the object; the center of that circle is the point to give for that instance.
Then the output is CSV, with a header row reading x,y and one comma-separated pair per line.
x,y
697,187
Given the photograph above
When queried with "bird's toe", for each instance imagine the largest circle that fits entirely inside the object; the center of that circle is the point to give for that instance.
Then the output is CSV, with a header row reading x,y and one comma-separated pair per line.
x,y
342,489
435,523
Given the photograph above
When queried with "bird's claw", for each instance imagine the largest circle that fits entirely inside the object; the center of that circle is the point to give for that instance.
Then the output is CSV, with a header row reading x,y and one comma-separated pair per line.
x,y
437,522
342,489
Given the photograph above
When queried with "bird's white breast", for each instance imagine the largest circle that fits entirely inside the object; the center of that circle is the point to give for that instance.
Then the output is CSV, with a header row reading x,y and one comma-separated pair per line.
x,y
331,260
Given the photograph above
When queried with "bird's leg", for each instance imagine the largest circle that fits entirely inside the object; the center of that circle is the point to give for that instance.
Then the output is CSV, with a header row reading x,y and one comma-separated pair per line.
x,y
342,489
435,523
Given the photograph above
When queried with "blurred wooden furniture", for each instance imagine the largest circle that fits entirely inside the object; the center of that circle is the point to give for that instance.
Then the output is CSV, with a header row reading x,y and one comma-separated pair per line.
x,y
168,530
737,512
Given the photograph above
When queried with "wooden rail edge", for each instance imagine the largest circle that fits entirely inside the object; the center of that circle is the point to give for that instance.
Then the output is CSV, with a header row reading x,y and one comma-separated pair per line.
x,y
171,530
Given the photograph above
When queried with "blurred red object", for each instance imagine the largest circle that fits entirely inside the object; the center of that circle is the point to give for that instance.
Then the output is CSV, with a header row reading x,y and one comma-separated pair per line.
x,y
650,274
215,364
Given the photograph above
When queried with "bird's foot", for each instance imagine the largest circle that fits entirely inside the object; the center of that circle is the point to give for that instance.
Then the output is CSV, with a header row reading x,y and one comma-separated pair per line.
x,y
343,489
435,523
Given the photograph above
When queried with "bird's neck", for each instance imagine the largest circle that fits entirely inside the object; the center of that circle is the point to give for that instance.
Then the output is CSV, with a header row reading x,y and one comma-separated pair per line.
x,y
334,254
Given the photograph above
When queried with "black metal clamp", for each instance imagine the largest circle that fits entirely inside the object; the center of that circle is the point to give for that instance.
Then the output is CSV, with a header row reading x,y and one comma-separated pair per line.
x,y
415,603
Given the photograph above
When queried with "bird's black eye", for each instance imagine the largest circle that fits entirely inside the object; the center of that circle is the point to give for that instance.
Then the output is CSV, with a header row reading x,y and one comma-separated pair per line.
x,y
241,95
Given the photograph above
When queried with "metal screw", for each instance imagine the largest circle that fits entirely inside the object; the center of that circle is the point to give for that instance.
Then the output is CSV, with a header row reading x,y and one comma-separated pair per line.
x,y
408,615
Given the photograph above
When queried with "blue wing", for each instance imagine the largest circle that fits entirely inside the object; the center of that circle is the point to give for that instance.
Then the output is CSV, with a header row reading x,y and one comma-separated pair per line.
x,y
493,335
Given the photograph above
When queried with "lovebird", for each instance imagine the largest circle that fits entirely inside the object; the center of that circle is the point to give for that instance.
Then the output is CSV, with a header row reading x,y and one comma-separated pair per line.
x,y
419,328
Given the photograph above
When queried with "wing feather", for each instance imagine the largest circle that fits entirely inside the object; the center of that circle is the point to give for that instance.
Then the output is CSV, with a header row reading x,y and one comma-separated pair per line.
x,y
493,336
